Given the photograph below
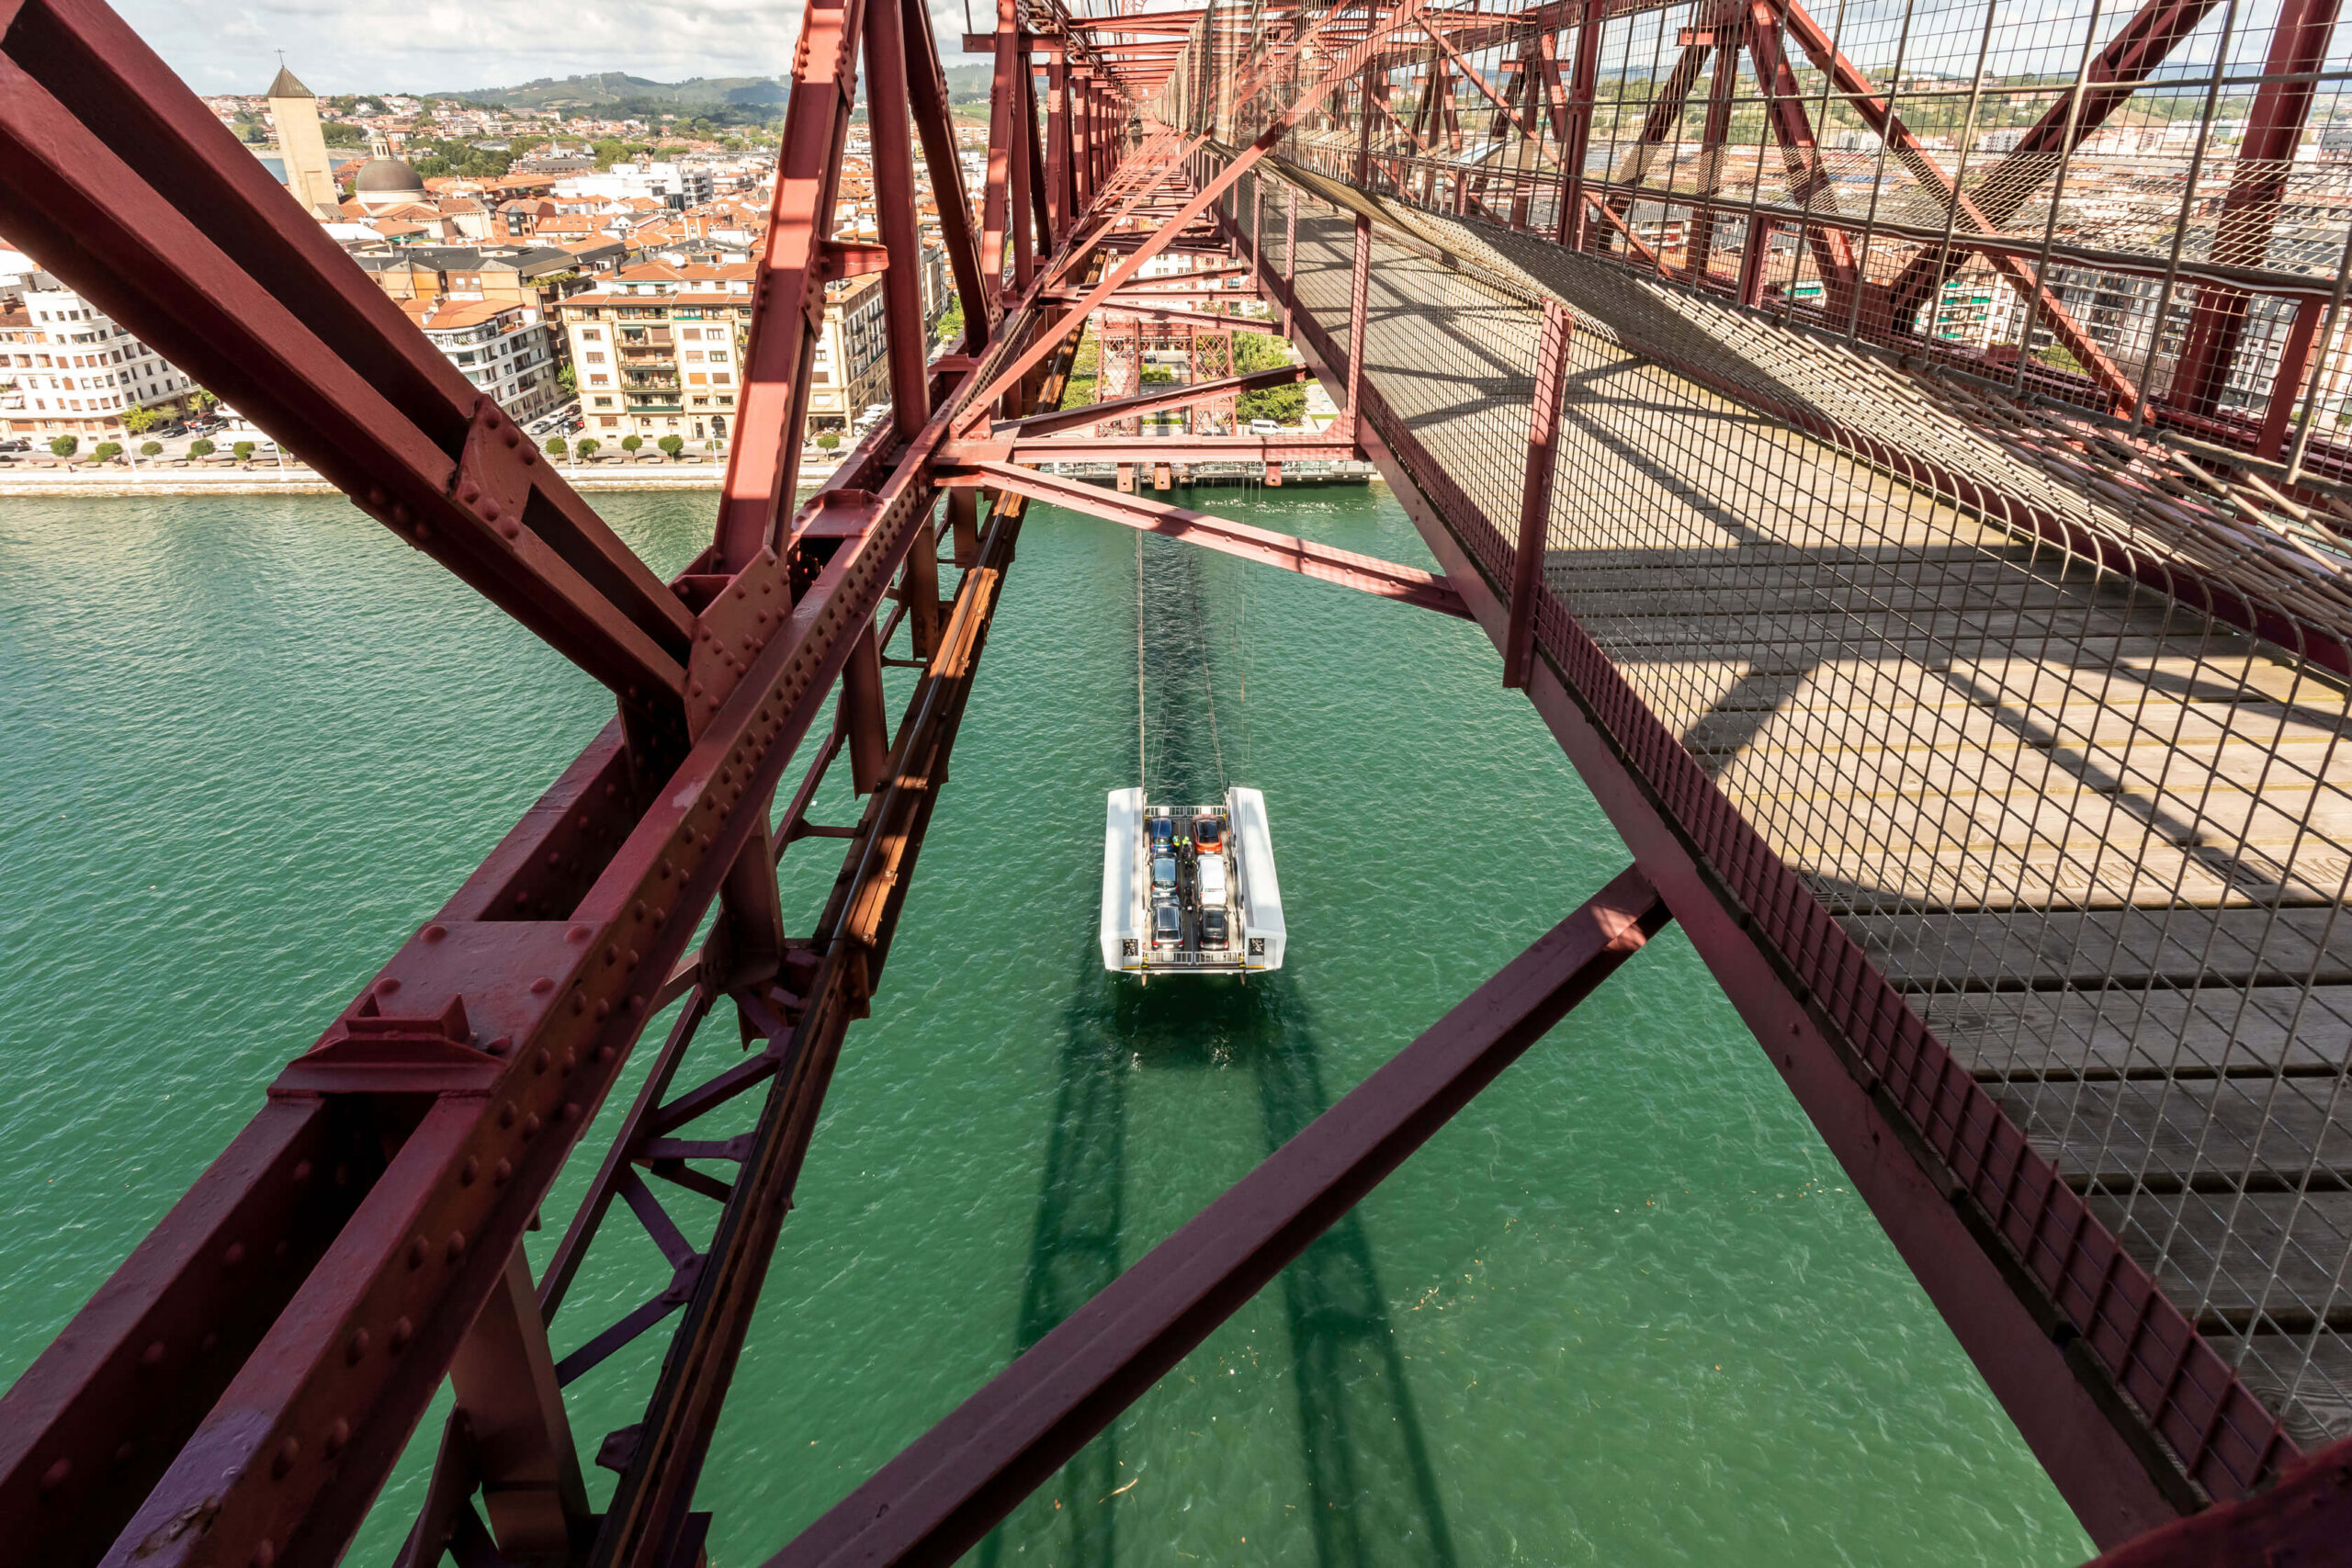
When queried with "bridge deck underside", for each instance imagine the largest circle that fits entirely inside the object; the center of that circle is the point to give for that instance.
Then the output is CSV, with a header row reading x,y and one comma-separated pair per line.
x,y
2099,841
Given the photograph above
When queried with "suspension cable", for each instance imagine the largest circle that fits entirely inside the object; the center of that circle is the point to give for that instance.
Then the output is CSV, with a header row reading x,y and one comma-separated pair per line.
x,y
1209,688
1143,779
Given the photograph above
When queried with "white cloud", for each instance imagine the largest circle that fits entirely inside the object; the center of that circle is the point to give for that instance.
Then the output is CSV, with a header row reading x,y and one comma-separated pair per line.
x,y
335,46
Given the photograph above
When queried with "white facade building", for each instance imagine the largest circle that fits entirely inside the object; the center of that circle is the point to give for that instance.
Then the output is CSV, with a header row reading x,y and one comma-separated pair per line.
x,y
66,368
507,350
673,185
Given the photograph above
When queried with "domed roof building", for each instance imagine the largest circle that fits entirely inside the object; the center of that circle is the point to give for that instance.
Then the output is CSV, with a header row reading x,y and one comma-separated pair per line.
x,y
386,183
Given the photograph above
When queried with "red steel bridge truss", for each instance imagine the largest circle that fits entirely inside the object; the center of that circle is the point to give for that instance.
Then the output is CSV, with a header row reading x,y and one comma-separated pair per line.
x,y
1900,460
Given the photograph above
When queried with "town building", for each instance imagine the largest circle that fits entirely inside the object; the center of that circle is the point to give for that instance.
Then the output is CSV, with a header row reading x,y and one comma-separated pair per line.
x,y
539,276
506,348
852,369
302,146
70,370
657,350
675,186
385,183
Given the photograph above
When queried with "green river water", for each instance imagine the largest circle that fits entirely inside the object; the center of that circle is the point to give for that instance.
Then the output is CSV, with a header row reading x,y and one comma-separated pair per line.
x,y
1623,1310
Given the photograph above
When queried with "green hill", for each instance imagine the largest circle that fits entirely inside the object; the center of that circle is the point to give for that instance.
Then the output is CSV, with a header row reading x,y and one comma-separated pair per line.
x,y
620,95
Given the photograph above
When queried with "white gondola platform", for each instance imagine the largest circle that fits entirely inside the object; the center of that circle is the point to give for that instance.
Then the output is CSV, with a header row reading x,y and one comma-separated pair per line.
x,y
1185,907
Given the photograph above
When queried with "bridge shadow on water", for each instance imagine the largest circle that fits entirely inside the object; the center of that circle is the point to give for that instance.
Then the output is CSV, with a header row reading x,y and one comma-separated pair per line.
x,y
1371,1490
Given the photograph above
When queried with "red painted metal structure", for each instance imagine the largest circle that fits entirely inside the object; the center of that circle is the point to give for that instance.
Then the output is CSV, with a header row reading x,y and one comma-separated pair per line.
x,y
238,1391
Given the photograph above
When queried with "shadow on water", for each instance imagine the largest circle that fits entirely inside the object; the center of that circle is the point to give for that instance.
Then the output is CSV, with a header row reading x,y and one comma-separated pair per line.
x,y
1373,1494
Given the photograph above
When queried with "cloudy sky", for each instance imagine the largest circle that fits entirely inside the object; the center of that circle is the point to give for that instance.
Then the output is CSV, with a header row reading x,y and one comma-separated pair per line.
x,y
346,46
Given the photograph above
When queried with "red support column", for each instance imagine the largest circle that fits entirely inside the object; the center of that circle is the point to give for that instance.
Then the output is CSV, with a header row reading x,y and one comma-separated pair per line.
x,y
1059,193
1535,490
997,200
764,459
927,94
1041,234
504,1382
2250,211
919,590
1023,190
964,526
894,200
2287,385
861,713
1712,134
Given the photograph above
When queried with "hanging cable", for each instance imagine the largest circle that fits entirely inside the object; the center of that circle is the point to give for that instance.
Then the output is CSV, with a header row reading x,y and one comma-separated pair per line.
x,y
1143,779
1208,687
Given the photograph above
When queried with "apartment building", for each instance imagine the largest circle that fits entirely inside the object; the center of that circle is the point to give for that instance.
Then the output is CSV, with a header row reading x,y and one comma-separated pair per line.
x,y
851,370
507,349
66,368
657,350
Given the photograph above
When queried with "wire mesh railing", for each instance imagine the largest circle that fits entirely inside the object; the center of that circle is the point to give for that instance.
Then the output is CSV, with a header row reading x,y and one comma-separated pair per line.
x,y
2095,837
2144,213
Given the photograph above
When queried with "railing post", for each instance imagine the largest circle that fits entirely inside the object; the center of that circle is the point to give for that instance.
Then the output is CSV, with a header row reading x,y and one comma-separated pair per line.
x,y
1535,493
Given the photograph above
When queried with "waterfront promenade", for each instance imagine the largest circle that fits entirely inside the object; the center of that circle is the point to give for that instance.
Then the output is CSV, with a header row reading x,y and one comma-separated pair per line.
x,y
47,479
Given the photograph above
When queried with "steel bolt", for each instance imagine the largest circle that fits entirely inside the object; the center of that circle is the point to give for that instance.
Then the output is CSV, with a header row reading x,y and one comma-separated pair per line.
x,y
303,1170
234,1256
542,985
264,1554
467,1172
153,1356
531,1125
539,1060
54,1476
283,1460
124,1452
402,1332
500,1173
416,1253
387,986
338,1435
455,1248
355,1349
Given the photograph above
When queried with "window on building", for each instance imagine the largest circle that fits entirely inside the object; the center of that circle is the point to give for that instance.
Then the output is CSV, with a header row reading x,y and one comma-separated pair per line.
x,y
595,359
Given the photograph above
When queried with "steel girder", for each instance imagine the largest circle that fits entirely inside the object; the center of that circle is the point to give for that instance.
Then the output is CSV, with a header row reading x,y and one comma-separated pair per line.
x,y
951,1485
239,1389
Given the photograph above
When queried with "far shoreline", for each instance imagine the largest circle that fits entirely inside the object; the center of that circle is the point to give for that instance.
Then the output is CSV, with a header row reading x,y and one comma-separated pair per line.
x,y
120,483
